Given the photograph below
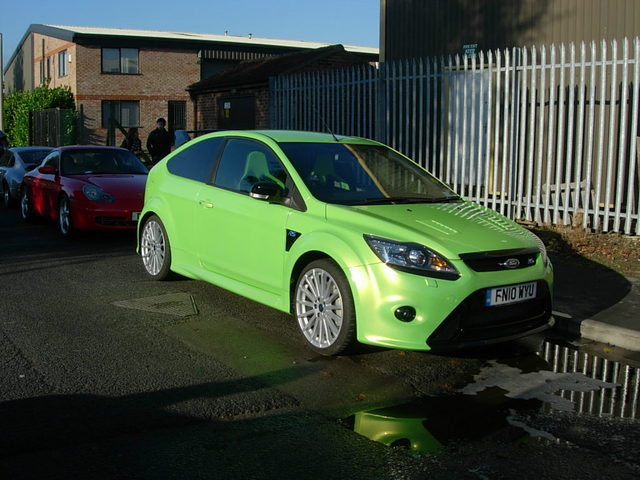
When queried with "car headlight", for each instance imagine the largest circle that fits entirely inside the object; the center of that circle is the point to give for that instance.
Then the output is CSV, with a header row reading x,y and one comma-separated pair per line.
x,y
412,258
543,250
96,194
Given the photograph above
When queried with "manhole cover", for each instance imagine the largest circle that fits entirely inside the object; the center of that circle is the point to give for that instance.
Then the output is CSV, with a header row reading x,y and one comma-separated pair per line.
x,y
179,304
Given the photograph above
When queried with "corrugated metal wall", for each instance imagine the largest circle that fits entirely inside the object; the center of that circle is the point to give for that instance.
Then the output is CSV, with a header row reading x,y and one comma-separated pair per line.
x,y
419,28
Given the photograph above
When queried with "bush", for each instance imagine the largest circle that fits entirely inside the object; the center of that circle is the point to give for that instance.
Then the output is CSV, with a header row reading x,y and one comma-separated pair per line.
x,y
18,104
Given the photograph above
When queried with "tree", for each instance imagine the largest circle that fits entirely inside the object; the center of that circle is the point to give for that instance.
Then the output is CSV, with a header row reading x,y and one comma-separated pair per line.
x,y
18,104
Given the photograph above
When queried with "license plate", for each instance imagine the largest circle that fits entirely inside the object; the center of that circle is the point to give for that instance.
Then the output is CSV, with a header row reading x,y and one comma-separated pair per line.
x,y
134,216
510,294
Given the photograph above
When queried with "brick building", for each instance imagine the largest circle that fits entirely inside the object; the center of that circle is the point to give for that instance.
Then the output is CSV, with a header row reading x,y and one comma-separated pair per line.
x,y
133,76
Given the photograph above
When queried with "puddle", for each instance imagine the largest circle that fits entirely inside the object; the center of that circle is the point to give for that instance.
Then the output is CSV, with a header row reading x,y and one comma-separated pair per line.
x,y
503,395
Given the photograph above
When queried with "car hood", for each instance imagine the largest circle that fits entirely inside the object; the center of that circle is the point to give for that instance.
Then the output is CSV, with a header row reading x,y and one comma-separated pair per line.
x,y
120,186
449,228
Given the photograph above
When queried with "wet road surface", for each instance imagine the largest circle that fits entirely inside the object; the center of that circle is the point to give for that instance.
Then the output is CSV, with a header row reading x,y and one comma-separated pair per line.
x,y
105,374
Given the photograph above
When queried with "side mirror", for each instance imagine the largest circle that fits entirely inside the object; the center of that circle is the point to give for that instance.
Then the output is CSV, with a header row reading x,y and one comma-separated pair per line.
x,y
48,170
266,190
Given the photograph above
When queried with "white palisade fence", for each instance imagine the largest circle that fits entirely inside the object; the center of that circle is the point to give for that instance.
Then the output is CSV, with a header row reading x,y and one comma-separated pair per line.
x,y
546,134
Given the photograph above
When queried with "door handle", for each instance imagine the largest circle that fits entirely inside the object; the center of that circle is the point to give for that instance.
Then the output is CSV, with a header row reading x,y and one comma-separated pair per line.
x,y
206,203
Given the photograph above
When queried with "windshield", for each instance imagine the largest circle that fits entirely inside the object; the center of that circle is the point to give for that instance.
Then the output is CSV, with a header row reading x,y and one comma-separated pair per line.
x,y
105,161
352,174
32,158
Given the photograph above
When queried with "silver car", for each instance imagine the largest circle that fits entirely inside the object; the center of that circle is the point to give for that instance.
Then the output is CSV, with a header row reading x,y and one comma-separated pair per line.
x,y
14,163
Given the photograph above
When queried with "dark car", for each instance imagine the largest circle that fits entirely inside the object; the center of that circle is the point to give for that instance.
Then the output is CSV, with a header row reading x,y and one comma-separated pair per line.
x,y
14,163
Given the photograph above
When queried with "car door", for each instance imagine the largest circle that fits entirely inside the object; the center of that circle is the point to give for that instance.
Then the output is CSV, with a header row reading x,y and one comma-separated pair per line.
x,y
46,188
192,169
241,237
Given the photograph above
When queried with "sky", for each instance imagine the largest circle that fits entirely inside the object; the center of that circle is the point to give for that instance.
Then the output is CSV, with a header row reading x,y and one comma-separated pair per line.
x,y
350,22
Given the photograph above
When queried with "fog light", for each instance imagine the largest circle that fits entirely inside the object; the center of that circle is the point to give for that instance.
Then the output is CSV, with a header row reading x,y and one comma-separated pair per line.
x,y
405,314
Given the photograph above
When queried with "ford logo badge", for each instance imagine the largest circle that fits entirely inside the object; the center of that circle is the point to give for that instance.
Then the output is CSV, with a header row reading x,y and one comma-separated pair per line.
x,y
510,263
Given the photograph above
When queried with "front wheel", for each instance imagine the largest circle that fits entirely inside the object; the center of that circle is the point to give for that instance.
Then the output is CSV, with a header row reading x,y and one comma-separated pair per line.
x,y
324,308
155,249
26,211
7,200
65,224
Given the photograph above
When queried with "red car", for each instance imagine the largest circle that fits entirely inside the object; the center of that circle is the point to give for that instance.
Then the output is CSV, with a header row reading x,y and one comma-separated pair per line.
x,y
86,188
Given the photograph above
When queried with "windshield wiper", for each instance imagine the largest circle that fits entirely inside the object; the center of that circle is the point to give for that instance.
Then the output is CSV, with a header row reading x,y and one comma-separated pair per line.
x,y
396,200
443,199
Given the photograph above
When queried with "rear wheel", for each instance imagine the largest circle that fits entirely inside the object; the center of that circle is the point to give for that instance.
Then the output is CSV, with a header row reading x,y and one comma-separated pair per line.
x,y
155,249
324,308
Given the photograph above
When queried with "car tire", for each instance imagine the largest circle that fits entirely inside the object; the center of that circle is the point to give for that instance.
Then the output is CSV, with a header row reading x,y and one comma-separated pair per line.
x,y
155,249
7,200
65,220
26,209
324,309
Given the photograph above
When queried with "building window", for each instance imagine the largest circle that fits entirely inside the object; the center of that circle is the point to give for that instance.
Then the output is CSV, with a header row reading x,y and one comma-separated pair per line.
x,y
62,64
126,113
120,60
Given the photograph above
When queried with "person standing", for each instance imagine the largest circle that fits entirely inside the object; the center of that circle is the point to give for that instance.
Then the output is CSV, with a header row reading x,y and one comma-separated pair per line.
x,y
132,142
159,142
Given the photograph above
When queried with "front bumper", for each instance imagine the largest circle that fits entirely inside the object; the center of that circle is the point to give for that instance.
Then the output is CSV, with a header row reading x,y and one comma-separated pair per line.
x,y
449,313
104,218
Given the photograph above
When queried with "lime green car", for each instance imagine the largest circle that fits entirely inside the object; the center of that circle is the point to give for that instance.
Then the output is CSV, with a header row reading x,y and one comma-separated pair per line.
x,y
356,241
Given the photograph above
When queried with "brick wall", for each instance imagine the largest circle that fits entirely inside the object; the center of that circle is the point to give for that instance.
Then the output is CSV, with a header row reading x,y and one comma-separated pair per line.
x,y
163,76
52,47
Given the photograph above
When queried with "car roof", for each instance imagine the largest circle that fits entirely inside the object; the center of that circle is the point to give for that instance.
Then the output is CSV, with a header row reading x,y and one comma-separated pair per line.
x,y
294,136
30,148
88,147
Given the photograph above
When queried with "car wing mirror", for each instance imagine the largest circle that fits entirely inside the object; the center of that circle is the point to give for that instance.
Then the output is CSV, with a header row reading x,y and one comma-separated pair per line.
x,y
266,190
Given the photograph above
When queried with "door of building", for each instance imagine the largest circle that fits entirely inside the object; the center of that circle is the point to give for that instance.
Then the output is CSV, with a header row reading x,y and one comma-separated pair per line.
x,y
237,113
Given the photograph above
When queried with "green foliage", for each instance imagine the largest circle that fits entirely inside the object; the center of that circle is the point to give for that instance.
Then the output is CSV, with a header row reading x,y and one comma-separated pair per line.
x,y
18,104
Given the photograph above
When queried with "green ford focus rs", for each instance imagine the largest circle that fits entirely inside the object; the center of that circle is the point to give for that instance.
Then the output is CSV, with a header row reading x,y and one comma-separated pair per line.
x,y
355,240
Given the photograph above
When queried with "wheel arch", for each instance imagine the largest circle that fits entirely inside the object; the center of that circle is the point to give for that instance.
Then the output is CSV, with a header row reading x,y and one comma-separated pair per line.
x,y
154,206
302,261
321,245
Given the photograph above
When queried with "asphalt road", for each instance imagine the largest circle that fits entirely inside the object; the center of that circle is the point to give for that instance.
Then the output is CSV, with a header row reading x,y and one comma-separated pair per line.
x,y
106,374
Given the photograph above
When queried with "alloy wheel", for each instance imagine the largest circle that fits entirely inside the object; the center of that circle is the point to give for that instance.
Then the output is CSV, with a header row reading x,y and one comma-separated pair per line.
x,y
25,208
319,308
64,216
6,195
152,248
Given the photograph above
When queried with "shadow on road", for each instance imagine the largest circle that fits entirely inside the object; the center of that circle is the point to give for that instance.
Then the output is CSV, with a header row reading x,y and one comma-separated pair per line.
x,y
151,435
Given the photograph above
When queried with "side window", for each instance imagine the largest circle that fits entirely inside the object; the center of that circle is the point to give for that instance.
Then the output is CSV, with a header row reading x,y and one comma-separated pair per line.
x,y
4,158
196,161
120,60
245,162
53,160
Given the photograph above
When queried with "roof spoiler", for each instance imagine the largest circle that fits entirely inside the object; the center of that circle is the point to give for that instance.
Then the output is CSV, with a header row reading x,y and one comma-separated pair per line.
x,y
183,136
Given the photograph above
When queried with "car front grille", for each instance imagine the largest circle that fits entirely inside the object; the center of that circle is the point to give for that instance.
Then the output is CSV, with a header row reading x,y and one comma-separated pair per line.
x,y
474,323
501,259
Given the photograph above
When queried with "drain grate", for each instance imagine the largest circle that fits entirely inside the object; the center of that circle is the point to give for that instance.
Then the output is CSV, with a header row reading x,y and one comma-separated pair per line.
x,y
179,304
